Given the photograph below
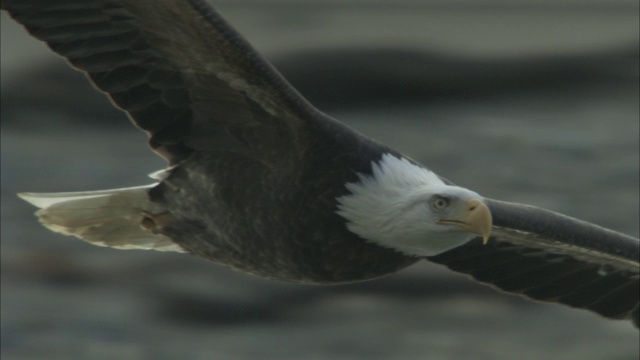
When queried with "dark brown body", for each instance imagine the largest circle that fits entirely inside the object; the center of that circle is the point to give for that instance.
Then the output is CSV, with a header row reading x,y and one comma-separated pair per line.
x,y
229,208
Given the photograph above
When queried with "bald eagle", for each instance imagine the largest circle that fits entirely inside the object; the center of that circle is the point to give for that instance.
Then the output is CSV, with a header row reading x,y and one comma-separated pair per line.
x,y
262,182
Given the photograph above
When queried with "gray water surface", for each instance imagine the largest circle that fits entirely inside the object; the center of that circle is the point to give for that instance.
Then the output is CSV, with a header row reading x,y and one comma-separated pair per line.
x,y
517,115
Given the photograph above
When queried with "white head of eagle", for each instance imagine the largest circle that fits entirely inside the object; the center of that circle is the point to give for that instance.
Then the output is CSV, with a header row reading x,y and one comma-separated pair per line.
x,y
410,209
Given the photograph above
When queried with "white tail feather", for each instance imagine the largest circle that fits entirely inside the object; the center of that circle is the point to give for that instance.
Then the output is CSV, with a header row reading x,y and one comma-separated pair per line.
x,y
105,218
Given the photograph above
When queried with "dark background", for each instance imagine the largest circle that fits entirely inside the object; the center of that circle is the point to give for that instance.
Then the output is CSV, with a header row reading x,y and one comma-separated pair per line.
x,y
526,101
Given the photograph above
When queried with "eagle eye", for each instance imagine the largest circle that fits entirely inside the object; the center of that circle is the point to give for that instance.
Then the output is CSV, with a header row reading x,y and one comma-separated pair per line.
x,y
439,203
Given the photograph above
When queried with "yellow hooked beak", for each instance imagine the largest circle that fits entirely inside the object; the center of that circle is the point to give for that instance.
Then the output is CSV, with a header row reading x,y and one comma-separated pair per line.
x,y
475,219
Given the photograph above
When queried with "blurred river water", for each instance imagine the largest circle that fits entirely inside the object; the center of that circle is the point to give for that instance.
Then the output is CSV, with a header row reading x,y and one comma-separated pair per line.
x,y
529,101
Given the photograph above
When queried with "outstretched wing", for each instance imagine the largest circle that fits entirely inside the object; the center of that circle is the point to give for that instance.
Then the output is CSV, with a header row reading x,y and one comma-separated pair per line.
x,y
551,257
178,70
